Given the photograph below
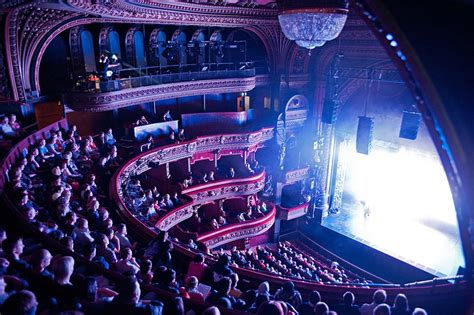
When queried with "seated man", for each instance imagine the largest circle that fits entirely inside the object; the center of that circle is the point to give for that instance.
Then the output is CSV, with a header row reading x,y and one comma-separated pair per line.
x,y
5,129
14,123
128,300
109,137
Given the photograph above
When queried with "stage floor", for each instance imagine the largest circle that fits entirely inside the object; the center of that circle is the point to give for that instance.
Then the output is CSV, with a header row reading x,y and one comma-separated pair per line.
x,y
430,245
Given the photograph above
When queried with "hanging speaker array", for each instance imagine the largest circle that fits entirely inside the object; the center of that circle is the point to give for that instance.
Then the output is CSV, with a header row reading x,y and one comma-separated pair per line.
x,y
364,134
330,108
410,125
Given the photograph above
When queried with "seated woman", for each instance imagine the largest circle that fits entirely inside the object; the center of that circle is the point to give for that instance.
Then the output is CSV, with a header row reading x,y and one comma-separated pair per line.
x,y
213,225
221,220
240,217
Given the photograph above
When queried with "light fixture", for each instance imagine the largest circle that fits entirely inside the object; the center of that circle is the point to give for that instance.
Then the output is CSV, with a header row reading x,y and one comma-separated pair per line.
x,y
311,25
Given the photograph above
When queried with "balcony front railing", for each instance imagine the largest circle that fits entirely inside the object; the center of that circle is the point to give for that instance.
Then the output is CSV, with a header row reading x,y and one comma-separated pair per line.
x,y
140,77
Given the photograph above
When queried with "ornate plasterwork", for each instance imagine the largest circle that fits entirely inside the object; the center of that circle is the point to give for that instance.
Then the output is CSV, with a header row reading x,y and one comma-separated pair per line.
x,y
97,102
238,231
30,27
104,38
175,217
198,194
27,26
296,175
228,190
75,46
160,12
293,213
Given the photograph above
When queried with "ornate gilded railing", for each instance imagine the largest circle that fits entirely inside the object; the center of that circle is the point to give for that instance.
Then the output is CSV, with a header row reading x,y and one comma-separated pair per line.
x,y
194,195
293,212
236,231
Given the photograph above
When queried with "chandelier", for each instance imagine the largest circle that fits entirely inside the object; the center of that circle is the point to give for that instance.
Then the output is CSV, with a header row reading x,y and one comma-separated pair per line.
x,y
312,27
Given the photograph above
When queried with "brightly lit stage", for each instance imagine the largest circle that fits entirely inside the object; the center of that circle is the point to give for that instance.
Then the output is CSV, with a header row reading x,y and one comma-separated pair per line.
x,y
412,215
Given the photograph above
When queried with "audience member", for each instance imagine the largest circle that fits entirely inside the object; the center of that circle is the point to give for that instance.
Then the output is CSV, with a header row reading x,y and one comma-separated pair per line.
x,y
378,298
382,309
321,308
307,308
348,307
289,294
20,303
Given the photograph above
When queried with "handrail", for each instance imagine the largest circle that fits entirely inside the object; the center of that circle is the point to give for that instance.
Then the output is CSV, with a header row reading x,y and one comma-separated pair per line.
x,y
236,231
293,212
161,78
203,193
187,149
342,260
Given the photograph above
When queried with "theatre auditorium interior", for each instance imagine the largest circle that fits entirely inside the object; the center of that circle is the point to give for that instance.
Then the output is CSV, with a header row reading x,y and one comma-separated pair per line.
x,y
236,157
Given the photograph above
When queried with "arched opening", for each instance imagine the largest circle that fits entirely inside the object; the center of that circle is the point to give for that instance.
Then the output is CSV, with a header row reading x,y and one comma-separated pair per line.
x,y
88,54
179,40
139,47
197,48
158,47
216,47
248,47
54,76
114,44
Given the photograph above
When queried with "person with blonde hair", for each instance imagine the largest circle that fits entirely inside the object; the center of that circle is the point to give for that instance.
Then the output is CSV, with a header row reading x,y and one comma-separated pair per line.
x,y
63,290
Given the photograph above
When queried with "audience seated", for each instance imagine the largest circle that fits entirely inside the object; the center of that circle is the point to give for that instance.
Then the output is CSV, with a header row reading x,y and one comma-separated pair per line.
x,y
59,188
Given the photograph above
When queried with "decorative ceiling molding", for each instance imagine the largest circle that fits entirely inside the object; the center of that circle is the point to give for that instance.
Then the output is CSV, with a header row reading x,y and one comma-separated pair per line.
x,y
176,13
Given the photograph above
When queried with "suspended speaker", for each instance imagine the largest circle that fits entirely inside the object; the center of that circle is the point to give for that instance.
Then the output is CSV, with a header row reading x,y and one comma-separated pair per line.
x,y
410,125
364,134
329,111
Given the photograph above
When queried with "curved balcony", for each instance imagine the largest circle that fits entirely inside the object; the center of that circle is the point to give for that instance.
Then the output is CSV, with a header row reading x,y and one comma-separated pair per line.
x,y
237,231
150,84
188,149
293,212
226,188
200,194
197,194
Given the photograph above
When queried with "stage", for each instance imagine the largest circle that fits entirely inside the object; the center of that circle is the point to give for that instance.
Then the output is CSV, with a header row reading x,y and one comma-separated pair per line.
x,y
399,203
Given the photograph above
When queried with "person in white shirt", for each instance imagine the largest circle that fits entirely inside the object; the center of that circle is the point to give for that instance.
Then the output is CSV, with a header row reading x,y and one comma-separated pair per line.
x,y
127,263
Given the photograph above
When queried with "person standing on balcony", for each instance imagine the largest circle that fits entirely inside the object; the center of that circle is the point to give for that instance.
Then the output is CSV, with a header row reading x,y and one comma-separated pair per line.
x,y
167,116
